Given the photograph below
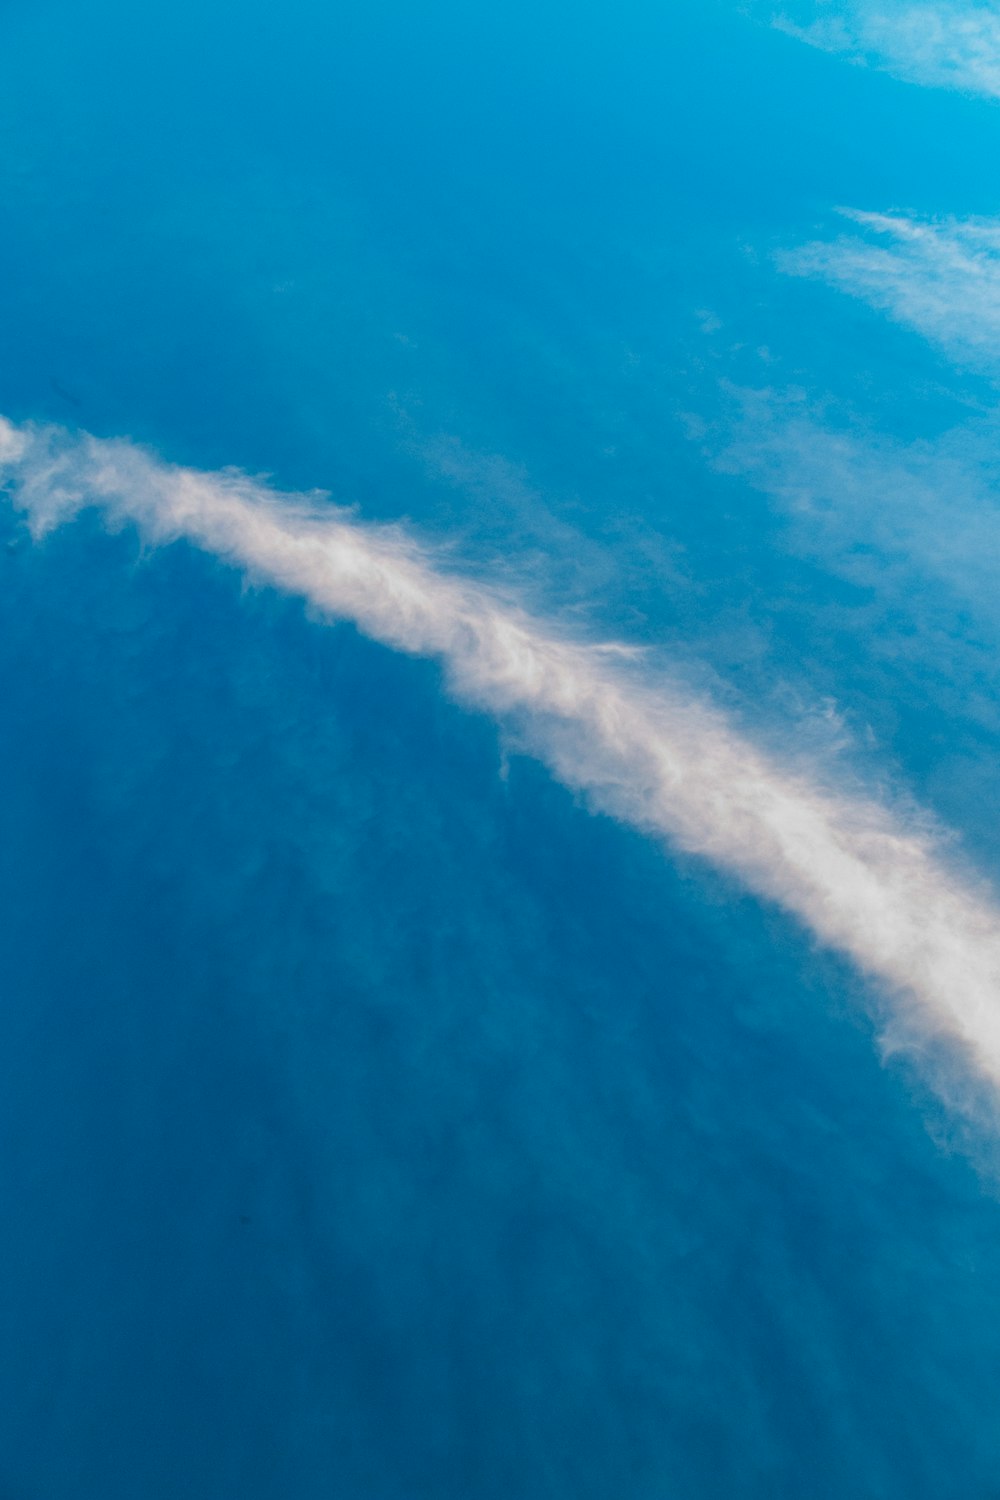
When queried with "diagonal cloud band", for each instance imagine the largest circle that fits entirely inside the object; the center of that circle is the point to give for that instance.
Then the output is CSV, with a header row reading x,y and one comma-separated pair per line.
x,y
865,881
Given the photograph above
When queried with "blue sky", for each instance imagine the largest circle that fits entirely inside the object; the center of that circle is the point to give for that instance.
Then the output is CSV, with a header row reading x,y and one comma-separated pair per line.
x,y
499,637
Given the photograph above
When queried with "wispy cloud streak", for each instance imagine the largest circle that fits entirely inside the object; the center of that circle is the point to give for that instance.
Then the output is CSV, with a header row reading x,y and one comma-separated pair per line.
x,y
941,279
878,888
937,45
880,511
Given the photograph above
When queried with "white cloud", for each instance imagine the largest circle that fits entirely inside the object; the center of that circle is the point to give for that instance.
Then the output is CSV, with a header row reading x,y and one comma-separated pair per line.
x,y
941,279
942,45
880,888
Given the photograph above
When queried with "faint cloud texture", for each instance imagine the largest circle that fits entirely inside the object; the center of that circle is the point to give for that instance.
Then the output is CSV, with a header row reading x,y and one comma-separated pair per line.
x,y
913,529
873,507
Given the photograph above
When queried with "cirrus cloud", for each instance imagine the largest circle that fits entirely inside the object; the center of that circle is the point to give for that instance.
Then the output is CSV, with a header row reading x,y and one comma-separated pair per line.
x,y
940,278
879,887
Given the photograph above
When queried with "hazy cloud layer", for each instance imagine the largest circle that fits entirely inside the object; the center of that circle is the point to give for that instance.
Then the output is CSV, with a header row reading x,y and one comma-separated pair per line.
x,y
880,889
913,531
942,45
941,279
873,505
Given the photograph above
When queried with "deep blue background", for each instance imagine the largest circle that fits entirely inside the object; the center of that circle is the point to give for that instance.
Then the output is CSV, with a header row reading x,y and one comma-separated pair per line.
x,y
374,1123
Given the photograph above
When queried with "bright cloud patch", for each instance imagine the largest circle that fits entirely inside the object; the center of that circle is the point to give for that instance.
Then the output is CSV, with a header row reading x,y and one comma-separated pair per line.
x,y
940,279
879,889
938,45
